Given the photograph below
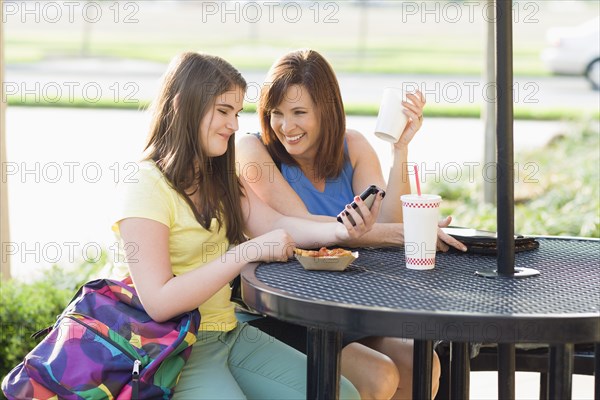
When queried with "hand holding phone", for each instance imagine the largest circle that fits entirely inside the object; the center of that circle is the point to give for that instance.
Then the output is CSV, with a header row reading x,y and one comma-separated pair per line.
x,y
368,197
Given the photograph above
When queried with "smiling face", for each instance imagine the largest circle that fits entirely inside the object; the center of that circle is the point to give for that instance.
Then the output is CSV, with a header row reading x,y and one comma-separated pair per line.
x,y
295,121
221,122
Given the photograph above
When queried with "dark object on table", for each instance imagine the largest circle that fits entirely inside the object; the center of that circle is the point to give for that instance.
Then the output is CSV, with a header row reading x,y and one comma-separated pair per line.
x,y
485,242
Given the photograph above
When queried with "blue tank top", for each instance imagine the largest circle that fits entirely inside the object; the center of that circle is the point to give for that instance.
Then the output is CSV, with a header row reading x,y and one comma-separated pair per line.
x,y
338,191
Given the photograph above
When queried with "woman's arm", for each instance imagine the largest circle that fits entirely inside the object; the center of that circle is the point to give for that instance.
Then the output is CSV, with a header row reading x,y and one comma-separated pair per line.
x,y
258,169
260,218
366,162
367,171
261,174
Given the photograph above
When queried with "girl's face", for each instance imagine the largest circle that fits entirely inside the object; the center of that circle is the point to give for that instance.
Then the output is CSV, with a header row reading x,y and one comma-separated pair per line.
x,y
221,122
296,123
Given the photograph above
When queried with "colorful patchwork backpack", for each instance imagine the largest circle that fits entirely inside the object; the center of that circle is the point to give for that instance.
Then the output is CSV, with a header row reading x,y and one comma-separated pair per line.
x,y
104,345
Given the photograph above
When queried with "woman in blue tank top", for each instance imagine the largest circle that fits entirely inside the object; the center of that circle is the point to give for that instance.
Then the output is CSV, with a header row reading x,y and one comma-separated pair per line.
x,y
308,164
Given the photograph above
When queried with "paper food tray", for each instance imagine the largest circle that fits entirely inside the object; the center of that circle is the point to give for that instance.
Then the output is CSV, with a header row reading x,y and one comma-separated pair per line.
x,y
333,263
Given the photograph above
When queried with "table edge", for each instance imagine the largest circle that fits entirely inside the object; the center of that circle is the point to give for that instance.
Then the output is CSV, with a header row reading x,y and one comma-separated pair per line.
x,y
428,325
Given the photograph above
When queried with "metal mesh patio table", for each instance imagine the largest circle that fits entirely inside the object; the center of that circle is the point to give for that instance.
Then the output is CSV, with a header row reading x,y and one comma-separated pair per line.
x,y
377,295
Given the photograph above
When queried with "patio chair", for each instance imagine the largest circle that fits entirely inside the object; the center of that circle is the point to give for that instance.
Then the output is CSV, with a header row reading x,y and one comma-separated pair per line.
x,y
528,358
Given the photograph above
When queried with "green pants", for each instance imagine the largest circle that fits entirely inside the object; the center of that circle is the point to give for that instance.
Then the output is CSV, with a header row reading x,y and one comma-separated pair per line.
x,y
246,364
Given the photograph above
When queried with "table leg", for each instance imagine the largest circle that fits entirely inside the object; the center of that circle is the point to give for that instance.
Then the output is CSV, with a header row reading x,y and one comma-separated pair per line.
x,y
323,364
560,372
460,370
506,371
422,363
445,353
597,371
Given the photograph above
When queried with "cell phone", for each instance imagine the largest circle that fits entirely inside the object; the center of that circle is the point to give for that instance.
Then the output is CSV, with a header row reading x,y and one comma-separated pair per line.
x,y
368,197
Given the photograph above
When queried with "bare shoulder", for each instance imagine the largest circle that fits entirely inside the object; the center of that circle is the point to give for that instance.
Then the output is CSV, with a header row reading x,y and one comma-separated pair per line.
x,y
357,144
248,141
355,137
250,146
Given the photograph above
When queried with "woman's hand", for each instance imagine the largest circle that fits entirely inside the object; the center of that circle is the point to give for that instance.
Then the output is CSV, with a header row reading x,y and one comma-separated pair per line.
x,y
413,108
444,239
363,222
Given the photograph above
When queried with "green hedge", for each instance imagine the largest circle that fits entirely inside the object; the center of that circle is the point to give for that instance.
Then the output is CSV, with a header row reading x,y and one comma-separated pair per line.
x,y
26,307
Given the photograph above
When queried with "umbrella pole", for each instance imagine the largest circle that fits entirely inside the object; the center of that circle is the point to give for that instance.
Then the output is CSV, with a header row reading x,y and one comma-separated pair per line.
x,y
505,183
504,139
505,195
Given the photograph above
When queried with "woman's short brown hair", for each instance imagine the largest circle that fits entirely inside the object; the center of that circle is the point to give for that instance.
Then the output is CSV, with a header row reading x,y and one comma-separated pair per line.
x,y
312,71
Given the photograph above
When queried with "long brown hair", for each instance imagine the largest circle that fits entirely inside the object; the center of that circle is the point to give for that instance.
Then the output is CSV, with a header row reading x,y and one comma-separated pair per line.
x,y
190,87
312,71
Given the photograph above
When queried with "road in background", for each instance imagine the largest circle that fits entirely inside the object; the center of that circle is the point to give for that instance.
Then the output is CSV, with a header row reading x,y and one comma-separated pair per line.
x,y
131,81
352,34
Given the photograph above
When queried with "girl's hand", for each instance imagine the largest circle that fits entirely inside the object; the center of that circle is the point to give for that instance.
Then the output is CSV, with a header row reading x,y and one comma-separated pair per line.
x,y
444,239
276,245
363,222
413,108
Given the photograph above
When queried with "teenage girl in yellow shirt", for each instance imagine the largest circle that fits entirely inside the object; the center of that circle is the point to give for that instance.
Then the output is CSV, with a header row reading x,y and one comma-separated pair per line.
x,y
189,224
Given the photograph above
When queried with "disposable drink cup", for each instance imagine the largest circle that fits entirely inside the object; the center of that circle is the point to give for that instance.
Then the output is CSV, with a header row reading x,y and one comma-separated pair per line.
x,y
420,214
391,120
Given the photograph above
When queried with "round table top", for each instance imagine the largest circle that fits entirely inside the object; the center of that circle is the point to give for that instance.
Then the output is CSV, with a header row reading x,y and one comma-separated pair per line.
x,y
378,295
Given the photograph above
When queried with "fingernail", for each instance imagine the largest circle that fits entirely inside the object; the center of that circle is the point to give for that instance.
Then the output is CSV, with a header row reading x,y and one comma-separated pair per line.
x,y
348,206
356,198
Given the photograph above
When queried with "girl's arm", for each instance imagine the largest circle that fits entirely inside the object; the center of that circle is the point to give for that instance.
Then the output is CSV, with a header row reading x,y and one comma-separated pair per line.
x,y
165,296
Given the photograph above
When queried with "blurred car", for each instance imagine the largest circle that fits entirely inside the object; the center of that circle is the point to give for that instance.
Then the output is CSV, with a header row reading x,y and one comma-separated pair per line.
x,y
575,51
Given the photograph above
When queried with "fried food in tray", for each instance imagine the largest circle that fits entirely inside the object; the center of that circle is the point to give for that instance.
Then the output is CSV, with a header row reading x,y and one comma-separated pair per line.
x,y
325,259
323,252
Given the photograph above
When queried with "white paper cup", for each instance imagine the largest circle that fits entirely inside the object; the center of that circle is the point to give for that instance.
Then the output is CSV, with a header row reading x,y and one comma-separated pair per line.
x,y
420,214
391,120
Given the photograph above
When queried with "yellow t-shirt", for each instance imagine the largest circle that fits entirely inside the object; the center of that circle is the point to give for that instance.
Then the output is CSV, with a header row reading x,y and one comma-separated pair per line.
x,y
190,245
